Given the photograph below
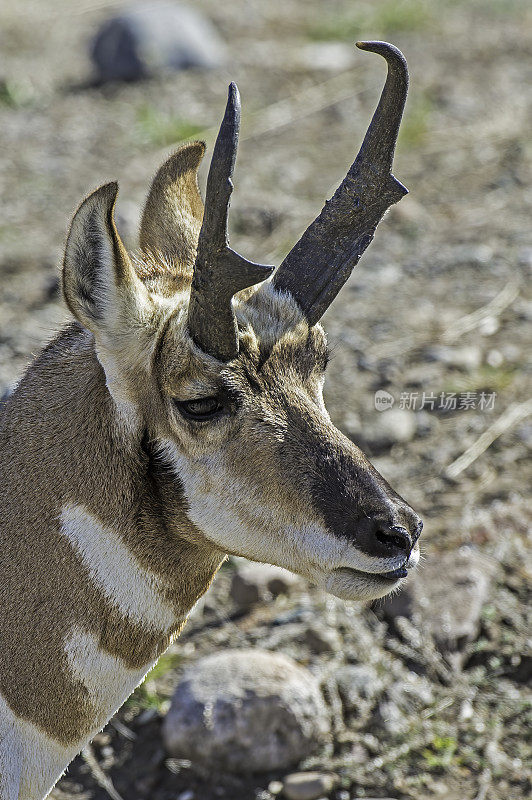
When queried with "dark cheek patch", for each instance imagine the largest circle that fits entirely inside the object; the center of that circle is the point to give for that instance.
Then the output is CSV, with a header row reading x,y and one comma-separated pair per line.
x,y
341,485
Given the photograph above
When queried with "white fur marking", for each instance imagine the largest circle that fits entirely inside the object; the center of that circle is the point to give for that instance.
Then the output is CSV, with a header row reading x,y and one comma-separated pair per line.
x,y
105,677
415,555
30,762
131,588
127,411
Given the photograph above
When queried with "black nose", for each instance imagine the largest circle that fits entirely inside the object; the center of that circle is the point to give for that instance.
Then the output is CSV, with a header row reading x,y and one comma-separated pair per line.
x,y
385,538
395,539
417,531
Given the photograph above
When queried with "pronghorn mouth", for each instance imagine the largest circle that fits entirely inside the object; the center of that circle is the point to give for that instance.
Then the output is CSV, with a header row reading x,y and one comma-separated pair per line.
x,y
348,583
395,574
392,575
383,578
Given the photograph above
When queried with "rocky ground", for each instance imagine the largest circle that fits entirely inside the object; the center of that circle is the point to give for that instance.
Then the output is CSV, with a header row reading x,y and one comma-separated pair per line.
x,y
426,694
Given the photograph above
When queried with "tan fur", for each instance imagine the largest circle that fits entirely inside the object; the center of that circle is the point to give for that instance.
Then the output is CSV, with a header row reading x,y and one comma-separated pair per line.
x,y
94,432
173,212
81,458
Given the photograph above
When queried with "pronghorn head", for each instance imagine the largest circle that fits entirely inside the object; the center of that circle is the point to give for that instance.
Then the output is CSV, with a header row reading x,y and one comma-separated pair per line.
x,y
221,368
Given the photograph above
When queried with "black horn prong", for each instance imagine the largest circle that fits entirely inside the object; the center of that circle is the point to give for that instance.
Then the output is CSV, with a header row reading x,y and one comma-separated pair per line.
x,y
220,272
321,262
379,142
219,182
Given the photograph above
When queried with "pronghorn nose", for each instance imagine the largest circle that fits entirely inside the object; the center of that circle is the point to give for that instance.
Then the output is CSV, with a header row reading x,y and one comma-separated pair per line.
x,y
395,539
417,532
383,537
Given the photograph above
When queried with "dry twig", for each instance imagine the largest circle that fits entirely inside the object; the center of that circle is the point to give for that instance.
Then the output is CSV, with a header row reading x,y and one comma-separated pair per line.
x,y
485,780
470,322
514,414
103,780
494,308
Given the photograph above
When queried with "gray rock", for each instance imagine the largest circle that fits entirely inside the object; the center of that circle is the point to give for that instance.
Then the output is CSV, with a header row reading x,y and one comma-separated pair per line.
x,y
427,423
411,692
393,719
398,605
394,426
246,710
411,215
449,594
280,581
523,432
127,219
256,220
247,588
322,640
524,257
253,583
308,785
149,37
358,755
358,685
352,424
513,353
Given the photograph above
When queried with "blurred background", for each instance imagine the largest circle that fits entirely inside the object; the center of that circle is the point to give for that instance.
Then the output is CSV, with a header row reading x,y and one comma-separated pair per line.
x,y
426,694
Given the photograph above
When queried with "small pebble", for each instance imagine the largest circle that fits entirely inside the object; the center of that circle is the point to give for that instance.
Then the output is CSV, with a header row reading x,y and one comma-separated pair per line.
x,y
308,785
186,795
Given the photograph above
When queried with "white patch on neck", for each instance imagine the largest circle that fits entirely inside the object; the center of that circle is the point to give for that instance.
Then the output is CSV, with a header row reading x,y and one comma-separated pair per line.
x,y
30,762
132,589
107,680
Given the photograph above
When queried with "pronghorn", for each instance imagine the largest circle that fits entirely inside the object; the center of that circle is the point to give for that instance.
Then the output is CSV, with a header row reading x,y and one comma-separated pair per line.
x,y
179,419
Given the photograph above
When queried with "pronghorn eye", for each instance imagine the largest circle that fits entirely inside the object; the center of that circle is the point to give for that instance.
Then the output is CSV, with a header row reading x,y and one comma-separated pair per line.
x,y
202,408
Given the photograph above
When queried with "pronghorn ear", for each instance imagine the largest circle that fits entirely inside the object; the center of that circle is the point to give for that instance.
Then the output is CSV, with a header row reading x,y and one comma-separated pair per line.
x,y
97,271
173,212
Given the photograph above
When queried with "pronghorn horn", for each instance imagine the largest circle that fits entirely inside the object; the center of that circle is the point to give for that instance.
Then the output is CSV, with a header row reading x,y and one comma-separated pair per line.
x,y
219,272
320,263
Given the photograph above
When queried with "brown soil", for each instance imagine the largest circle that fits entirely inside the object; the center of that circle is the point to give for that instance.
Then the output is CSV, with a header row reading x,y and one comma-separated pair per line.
x,y
450,267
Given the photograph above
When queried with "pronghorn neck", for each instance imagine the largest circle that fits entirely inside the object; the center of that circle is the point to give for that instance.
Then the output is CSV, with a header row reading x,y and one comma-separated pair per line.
x,y
100,564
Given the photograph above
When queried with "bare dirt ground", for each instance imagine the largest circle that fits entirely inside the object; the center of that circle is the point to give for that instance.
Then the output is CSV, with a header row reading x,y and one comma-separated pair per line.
x,y
439,304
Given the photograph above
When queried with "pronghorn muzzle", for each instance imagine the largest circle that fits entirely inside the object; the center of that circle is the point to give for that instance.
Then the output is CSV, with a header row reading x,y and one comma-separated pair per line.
x,y
354,500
